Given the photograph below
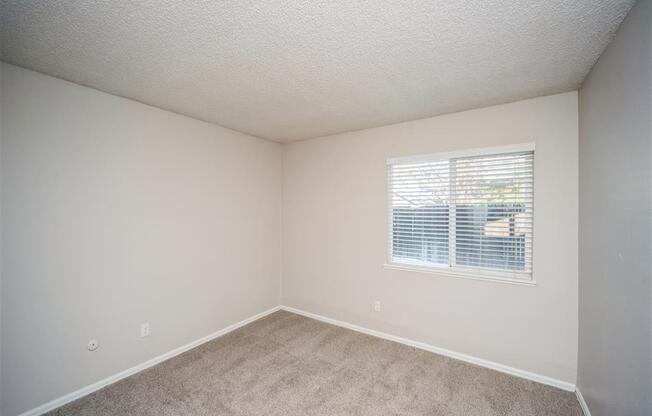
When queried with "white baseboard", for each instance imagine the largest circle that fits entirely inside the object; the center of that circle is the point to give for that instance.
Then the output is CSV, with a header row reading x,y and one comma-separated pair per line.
x,y
580,398
452,354
44,408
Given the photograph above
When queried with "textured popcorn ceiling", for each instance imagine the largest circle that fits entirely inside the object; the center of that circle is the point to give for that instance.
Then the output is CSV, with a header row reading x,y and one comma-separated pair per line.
x,y
288,70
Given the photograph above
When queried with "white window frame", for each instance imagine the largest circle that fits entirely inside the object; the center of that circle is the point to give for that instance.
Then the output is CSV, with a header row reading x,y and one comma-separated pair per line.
x,y
519,278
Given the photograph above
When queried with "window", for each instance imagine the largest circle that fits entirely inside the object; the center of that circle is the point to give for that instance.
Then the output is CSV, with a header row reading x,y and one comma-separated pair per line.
x,y
467,213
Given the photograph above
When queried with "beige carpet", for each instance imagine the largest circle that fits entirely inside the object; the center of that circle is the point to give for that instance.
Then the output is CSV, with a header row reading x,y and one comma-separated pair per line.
x,y
286,364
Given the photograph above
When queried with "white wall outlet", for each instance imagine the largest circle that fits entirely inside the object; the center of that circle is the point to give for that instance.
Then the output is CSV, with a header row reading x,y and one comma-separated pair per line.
x,y
93,345
377,306
144,330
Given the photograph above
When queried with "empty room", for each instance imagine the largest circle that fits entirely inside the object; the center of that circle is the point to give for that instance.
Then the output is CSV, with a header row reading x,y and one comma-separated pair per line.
x,y
325,208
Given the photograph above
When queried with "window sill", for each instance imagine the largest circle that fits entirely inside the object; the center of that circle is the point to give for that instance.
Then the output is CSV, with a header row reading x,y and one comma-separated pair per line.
x,y
459,274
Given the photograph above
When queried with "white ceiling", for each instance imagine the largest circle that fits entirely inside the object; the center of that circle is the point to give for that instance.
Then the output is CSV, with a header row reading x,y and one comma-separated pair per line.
x,y
288,70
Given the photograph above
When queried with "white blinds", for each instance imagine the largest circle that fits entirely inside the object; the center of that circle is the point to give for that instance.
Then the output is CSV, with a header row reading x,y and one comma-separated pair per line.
x,y
470,213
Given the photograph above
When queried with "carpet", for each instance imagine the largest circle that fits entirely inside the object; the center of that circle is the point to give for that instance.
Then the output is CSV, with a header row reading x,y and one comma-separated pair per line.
x,y
287,364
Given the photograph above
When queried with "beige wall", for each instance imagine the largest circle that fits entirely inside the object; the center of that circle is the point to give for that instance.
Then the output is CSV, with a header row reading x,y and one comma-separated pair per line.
x,y
1,94
335,238
115,213
615,273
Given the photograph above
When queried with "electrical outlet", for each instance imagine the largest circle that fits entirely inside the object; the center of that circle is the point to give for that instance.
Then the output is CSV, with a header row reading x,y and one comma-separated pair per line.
x,y
377,306
144,330
93,345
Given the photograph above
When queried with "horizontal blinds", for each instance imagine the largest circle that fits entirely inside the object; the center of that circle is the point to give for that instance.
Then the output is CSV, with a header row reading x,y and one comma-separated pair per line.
x,y
419,209
465,212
